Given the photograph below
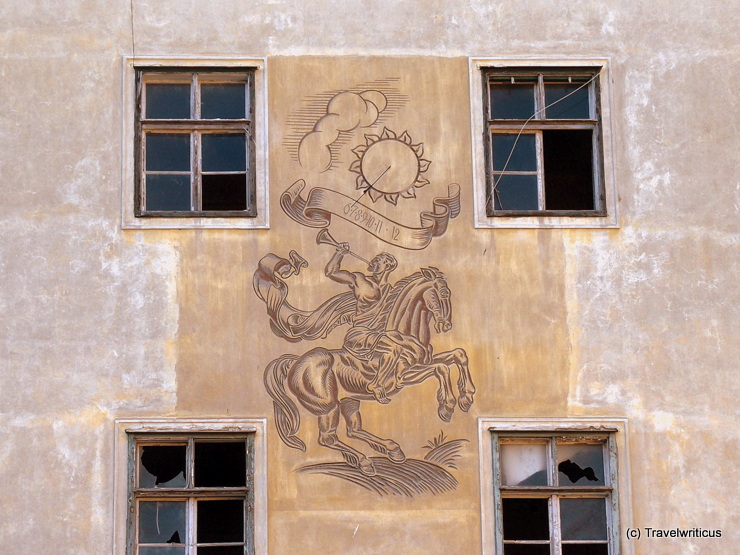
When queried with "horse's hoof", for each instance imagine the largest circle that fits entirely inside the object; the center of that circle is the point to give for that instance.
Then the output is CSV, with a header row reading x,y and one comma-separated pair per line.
x,y
445,411
465,401
366,467
396,455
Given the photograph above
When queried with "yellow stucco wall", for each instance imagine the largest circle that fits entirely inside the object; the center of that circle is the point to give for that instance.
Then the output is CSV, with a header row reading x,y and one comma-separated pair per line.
x,y
102,323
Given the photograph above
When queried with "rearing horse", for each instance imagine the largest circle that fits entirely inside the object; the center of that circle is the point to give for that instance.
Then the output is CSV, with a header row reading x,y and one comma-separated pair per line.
x,y
330,382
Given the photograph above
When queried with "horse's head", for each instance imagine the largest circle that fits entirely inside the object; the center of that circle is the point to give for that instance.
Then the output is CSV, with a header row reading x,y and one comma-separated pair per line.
x,y
437,299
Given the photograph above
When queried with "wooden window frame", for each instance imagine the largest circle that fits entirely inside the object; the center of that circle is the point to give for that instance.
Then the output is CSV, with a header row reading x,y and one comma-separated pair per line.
x,y
612,430
189,493
605,214
555,493
169,430
196,127
536,126
132,214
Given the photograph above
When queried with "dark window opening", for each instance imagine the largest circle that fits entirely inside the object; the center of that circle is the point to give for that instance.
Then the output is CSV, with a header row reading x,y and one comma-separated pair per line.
x,y
543,142
195,154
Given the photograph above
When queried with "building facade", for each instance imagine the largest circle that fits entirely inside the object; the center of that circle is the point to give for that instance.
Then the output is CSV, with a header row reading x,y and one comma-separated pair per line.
x,y
327,277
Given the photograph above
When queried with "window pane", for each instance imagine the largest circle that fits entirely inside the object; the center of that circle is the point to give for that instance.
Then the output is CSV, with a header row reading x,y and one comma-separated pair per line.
x,y
523,465
515,192
220,464
162,522
221,550
162,466
568,169
583,519
512,101
161,551
581,464
168,101
522,158
526,549
167,192
221,521
168,152
222,152
586,549
224,192
223,101
575,106
526,519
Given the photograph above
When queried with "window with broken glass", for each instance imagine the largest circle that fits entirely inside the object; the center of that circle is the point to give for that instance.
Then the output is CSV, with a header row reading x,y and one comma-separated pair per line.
x,y
555,494
191,495
543,142
195,154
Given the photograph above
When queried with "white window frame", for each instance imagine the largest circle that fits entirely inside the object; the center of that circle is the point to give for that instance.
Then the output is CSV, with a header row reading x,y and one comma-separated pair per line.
x,y
478,129
126,427
129,220
616,428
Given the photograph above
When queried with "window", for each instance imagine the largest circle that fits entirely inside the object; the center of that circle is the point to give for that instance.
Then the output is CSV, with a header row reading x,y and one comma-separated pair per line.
x,y
195,151
543,142
196,147
552,490
194,487
543,147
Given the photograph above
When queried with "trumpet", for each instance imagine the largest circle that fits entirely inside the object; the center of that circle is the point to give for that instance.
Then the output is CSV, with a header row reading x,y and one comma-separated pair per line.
x,y
323,238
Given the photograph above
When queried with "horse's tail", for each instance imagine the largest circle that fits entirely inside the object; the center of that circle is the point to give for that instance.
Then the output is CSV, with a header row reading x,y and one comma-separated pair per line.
x,y
287,417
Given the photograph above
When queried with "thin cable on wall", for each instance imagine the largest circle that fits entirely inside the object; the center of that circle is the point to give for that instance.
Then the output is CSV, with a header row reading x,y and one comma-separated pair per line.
x,y
519,134
133,40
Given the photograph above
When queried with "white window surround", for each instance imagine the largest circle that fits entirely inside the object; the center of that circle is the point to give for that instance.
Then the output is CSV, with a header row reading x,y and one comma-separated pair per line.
x,y
124,427
482,220
612,425
128,218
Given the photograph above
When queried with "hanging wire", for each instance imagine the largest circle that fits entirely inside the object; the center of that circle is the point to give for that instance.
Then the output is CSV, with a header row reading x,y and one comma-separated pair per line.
x,y
133,41
519,134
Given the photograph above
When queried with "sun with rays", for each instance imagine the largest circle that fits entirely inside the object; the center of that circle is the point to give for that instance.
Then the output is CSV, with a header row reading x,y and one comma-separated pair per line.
x,y
389,166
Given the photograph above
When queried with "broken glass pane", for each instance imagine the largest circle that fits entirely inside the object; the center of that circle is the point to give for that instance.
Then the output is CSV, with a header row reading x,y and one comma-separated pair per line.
x,y
568,168
223,101
221,550
509,101
526,549
224,191
162,466
585,549
224,152
168,152
168,101
507,157
562,106
221,521
220,464
583,519
162,522
515,192
526,519
580,463
160,550
167,192
523,464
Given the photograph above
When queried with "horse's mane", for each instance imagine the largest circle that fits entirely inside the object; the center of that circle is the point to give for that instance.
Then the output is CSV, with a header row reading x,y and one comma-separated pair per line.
x,y
398,291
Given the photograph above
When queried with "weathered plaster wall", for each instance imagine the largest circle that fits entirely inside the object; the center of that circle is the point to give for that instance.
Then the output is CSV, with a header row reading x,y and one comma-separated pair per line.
x,y
100,323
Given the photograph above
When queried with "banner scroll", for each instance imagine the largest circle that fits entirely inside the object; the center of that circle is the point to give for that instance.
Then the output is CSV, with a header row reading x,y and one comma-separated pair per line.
x,y
317,208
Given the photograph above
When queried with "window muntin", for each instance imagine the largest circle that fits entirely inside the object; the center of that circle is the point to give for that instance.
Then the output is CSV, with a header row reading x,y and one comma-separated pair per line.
x,y
543,142
191,494
196,151
554,492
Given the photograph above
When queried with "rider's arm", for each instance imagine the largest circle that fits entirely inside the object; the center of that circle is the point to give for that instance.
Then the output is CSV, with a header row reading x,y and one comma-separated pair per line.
x,y
334,270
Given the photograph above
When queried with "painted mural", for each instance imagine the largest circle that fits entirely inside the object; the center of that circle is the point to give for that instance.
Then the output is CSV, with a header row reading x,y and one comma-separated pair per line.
x,y
388,324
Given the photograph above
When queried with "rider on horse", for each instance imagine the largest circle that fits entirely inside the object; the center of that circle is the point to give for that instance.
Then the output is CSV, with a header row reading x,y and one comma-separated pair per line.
x,y
368,337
